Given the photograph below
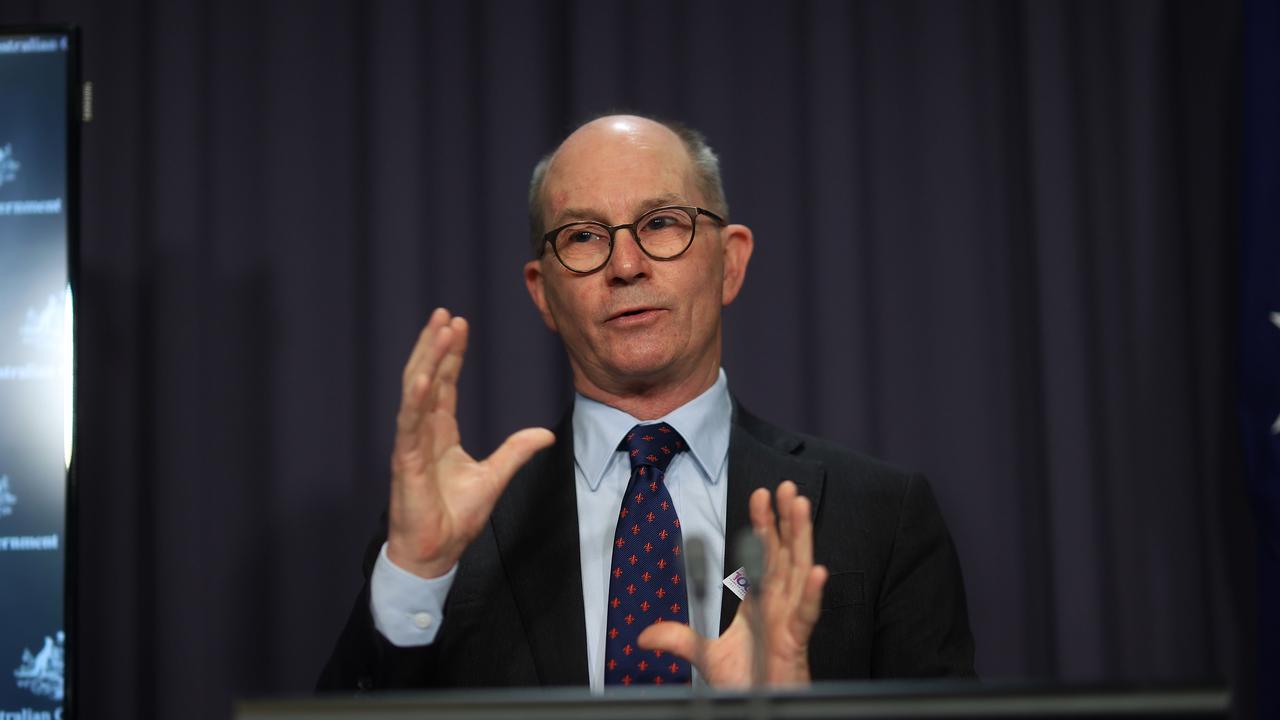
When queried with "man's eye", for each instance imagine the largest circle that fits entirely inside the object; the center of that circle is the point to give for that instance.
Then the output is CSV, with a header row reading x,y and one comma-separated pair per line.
x,y
582,236
660,222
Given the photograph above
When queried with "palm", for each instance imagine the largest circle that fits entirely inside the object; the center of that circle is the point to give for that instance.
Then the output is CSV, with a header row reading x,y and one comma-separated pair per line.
x,y
730,657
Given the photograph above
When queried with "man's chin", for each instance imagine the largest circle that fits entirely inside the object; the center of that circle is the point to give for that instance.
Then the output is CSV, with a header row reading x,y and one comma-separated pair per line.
x,y
652,373
639,372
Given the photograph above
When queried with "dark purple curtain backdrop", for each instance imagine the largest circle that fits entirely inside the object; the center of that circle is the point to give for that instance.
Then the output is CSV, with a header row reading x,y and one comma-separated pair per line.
x,y
996,242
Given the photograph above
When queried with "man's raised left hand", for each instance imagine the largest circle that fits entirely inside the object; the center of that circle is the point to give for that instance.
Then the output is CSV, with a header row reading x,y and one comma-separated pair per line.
x,y
789,598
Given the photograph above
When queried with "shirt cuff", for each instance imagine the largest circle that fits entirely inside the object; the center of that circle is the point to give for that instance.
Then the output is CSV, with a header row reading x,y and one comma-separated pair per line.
x,y
407,609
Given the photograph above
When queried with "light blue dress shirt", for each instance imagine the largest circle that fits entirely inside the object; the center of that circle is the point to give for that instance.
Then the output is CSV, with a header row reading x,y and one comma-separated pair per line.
x,y
407,609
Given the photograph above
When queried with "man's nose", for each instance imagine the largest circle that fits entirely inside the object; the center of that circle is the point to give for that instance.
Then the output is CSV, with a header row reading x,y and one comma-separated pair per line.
x,y
628,262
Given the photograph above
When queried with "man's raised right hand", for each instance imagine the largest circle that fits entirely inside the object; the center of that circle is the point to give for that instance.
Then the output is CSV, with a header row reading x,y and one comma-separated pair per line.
x,y
441,497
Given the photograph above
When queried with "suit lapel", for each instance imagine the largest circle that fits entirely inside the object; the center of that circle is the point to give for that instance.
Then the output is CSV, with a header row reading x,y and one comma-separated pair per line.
x,y
760,455
536,527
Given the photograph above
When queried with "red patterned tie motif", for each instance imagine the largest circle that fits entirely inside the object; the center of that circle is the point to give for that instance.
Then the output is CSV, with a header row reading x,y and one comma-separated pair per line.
x,y
646,579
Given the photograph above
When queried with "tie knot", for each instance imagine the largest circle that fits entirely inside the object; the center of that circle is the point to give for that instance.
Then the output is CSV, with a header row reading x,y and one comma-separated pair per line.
x,y
652,445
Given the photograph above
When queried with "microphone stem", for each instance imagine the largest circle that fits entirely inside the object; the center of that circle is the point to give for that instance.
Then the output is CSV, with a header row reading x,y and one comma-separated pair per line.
x,y
696,557
751,553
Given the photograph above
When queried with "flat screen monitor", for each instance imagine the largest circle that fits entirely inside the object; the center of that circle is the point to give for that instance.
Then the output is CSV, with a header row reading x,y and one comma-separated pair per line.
x,y
39,119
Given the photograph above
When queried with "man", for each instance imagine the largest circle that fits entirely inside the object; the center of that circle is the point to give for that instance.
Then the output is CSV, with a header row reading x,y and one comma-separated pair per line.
x,y
572,573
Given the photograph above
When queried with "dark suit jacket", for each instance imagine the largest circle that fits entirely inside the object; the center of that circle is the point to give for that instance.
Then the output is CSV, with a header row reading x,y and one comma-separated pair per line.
x,y
893,607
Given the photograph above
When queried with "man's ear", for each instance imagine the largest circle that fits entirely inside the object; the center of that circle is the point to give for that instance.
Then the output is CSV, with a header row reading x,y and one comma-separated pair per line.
x,y
535,282
738,244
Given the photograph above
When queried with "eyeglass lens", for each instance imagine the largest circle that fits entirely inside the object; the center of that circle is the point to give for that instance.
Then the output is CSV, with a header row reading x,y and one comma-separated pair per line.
x,y
663,233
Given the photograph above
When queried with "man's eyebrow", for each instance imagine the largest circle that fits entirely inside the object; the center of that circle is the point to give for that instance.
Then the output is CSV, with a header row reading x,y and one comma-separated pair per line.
x,y
574,214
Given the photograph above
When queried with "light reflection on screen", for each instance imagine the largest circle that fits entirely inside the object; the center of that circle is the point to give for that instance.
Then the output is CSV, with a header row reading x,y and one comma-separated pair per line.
x,y
36,371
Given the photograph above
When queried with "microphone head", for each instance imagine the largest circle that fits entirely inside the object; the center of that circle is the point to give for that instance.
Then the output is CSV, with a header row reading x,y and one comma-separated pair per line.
x,y
695,559
750,553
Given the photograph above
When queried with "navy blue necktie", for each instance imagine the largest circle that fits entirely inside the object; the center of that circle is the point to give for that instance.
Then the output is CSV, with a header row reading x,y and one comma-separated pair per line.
x,y
646,578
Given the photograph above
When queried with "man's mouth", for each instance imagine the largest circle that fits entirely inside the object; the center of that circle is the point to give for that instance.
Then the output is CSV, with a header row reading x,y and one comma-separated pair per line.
x,y
634,313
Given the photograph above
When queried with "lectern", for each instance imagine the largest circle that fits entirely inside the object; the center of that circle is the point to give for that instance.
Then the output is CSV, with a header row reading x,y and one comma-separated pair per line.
x,y
840,700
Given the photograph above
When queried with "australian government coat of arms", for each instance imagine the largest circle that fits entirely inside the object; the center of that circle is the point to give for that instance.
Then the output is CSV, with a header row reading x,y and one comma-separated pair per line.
x,y
42,672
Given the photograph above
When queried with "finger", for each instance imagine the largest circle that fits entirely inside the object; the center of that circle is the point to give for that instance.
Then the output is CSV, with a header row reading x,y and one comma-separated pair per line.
x,y
516,451
416,403
801,540
431,359
779,593
413,431
672,637
810,606
423,398
792,573
428,362
426,338
795,555
786,495
450,368
410,416
762,522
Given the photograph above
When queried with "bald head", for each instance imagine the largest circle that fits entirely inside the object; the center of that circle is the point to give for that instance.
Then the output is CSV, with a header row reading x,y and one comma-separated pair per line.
x,y
605,139
634,130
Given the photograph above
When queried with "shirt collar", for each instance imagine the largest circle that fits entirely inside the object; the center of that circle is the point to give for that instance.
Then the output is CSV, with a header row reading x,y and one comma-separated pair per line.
x,y
703,422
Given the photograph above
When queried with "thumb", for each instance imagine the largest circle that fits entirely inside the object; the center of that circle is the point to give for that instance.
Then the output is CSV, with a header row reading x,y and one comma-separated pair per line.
x,y
671,637
517,449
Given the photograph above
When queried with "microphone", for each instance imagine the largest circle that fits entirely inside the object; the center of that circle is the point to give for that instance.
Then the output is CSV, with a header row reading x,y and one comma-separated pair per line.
x,y
750,553
696,561
696,554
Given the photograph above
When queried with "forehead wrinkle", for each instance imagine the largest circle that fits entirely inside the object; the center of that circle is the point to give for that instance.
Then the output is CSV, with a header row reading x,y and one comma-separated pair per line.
x,y
642,207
